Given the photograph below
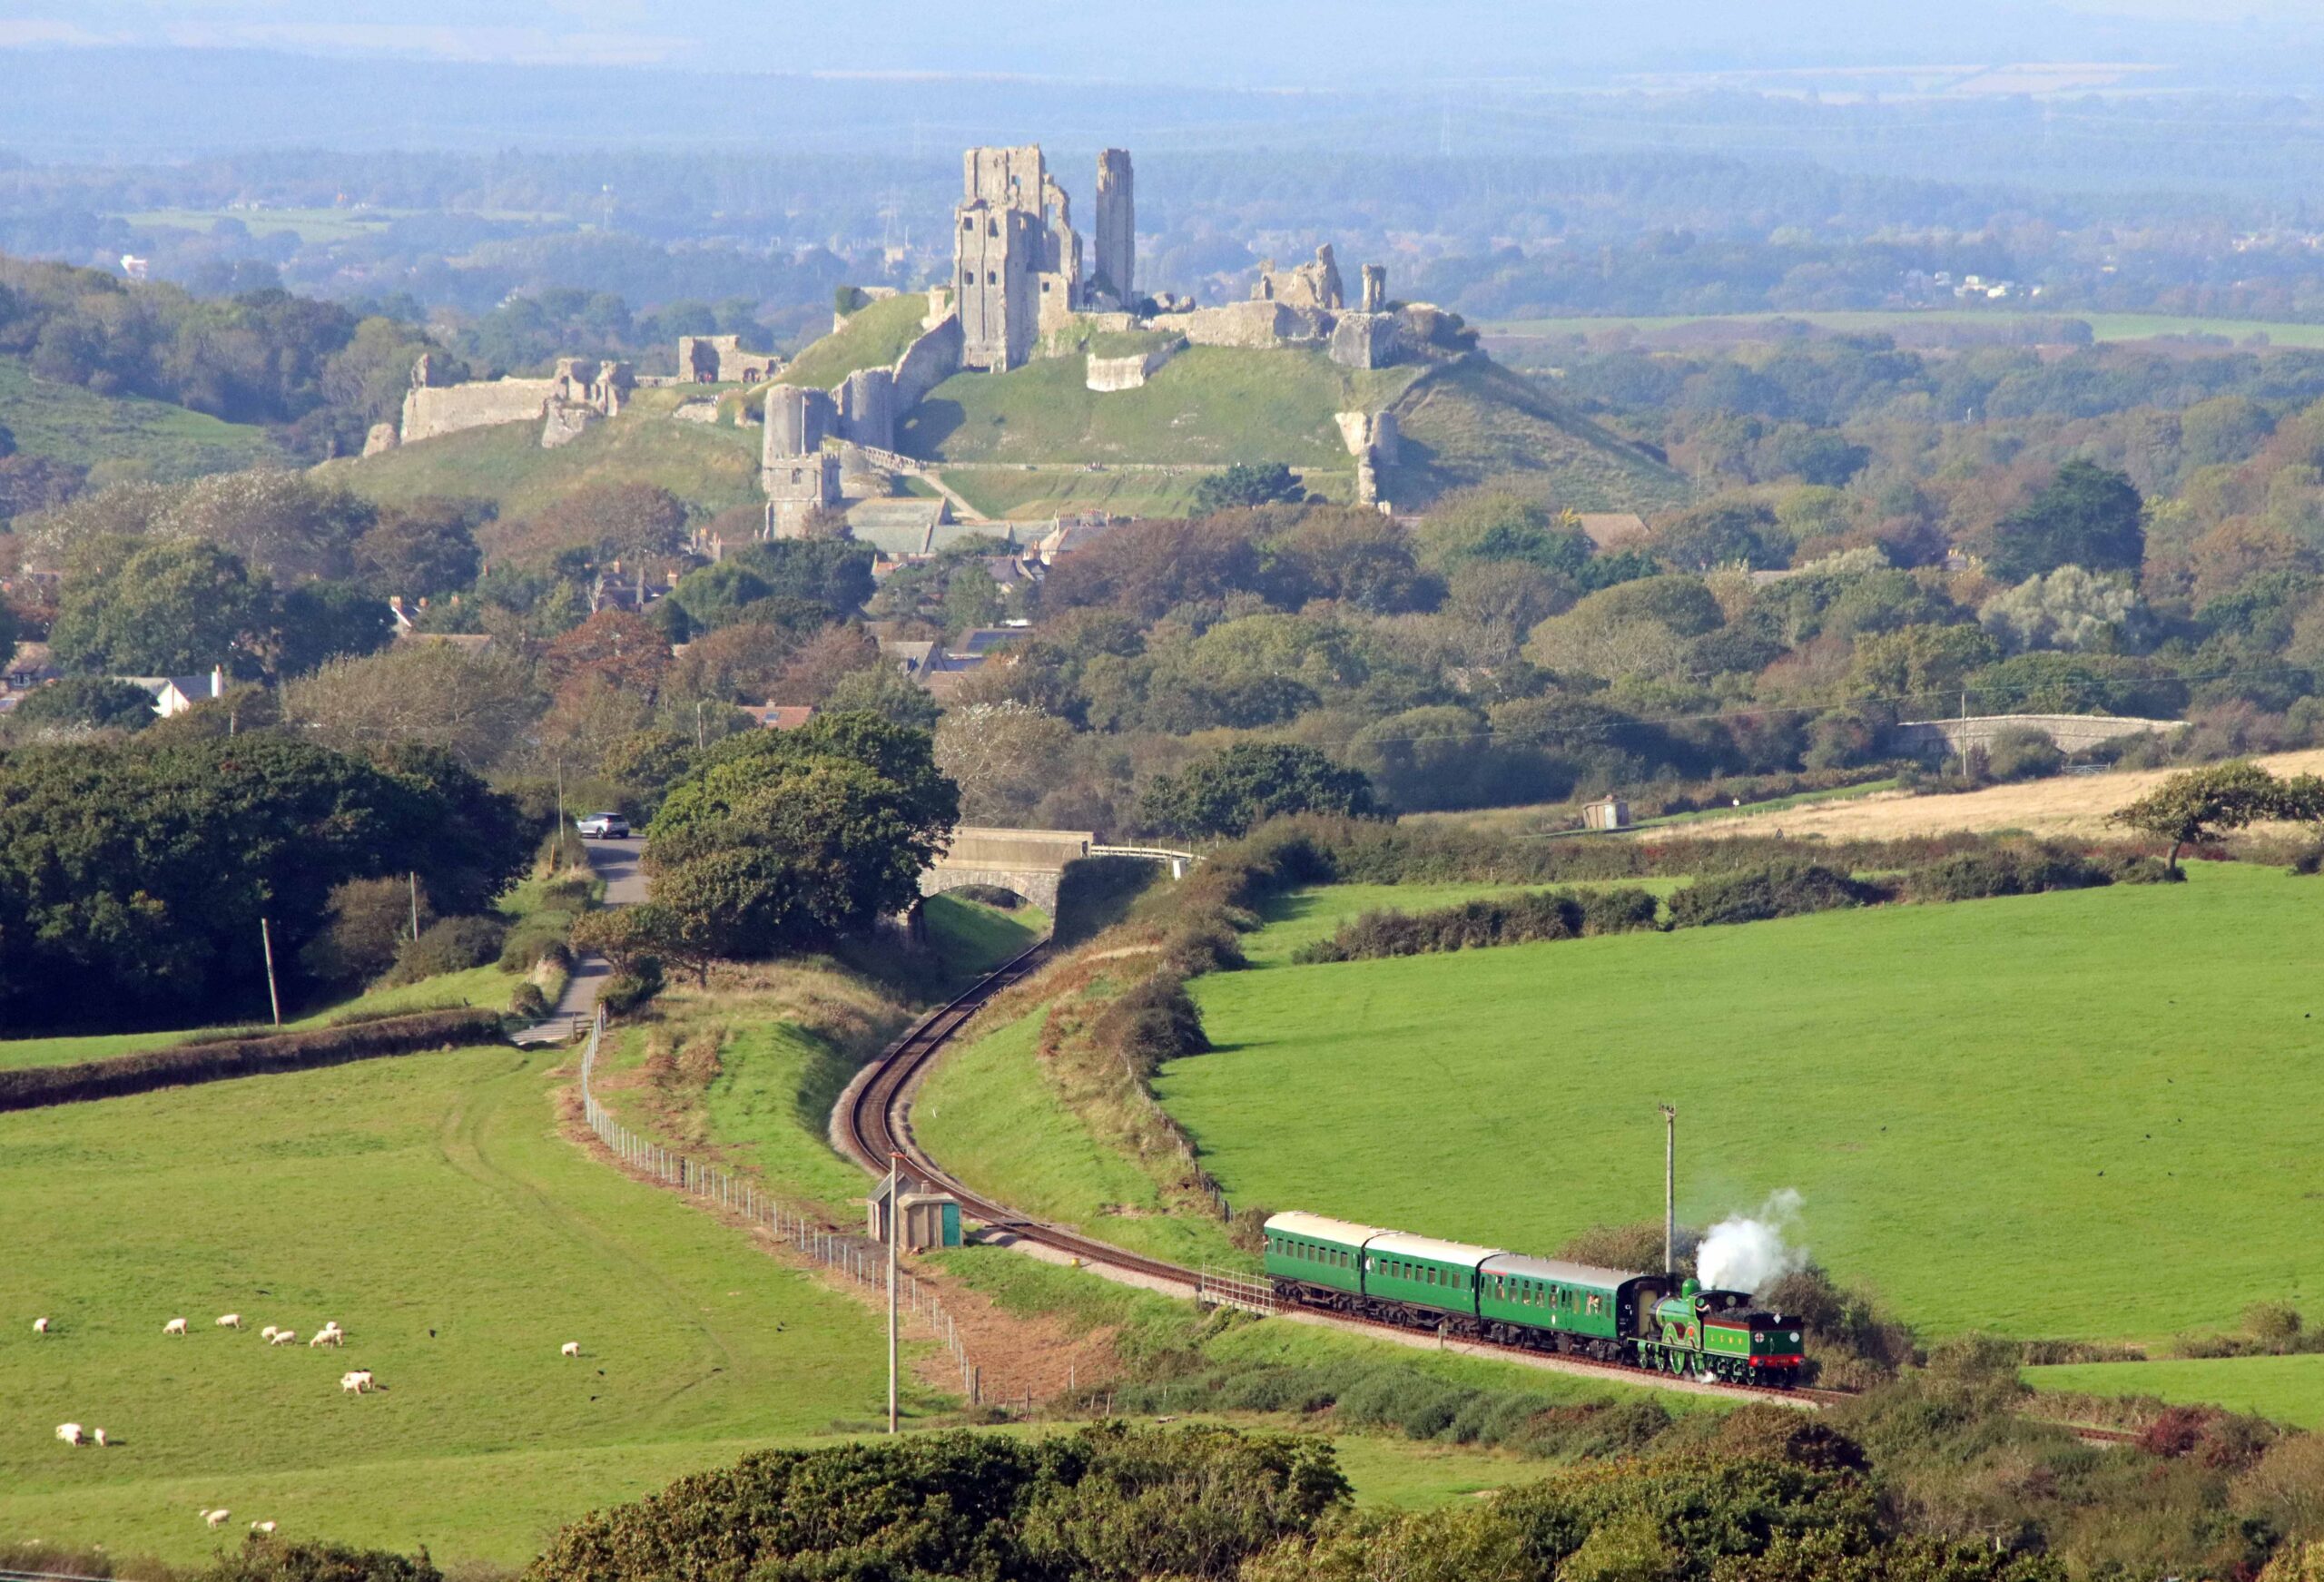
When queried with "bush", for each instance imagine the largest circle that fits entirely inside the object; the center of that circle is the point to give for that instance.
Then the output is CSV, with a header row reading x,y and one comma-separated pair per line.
x,y
528,1002
2023,752
1156,1020
370,919
625,991
2004,870
535,938
264,1559
1785,888
1623,910
448,945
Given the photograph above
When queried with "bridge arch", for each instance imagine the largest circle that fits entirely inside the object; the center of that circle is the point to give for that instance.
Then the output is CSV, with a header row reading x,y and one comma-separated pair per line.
x,y
1028,861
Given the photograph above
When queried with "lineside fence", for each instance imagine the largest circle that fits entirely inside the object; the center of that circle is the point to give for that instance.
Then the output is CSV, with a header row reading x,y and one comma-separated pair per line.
x,y
1220,1288
860,1258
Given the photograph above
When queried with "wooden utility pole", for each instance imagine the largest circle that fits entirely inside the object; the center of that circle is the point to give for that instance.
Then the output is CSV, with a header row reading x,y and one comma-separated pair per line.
x,y
413,875
895,1210
1669,1188
266,944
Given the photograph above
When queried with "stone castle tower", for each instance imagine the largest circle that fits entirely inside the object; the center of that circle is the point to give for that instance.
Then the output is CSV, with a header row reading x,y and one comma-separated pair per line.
x,y
1114,282
1017,259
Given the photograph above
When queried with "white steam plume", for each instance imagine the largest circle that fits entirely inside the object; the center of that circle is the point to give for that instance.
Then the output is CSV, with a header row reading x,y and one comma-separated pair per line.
x,y
1749,1252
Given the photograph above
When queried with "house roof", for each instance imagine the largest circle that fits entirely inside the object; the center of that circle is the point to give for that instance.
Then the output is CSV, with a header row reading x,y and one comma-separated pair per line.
x,y
783,716
982,640
1612,529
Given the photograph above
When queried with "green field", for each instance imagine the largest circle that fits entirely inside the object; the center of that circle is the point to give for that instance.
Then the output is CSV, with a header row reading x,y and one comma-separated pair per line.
x,y
1006,492
79,426
2096,1113
1210,405
873,336
1302,917
2288,1388
988,1115
1478,422
2105,325
429,1205
711,465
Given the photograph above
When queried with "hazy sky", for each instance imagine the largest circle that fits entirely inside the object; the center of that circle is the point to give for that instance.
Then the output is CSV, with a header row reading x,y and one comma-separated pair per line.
x,y
1287,43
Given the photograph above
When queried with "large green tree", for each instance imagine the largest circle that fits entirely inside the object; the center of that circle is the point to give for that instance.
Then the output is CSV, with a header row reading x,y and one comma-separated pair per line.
x,y
166,608
1236,787
2087,516
2203,805
786,841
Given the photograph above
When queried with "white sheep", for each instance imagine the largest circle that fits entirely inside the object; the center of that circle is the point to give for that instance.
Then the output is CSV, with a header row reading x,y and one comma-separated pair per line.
x,y
327,1337
40,1326
570,1349
261,1527
98,1435
216,1518
70,1433
356,1382
176,1326
230,1320
281,1336
269,1333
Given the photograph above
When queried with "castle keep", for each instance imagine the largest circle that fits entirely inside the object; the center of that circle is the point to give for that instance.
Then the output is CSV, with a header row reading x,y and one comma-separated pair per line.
x,y
1017,259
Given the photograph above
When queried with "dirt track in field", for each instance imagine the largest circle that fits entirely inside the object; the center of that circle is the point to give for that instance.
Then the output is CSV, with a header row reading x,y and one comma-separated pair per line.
x,y
2069,805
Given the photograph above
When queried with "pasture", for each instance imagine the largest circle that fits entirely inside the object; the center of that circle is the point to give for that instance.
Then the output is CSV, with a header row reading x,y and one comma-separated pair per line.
x,y
430,1206
2094,1114
1305,916
2289,1388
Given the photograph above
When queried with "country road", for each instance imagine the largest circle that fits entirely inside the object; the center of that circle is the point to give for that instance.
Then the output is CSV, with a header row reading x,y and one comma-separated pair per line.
x,y
617,863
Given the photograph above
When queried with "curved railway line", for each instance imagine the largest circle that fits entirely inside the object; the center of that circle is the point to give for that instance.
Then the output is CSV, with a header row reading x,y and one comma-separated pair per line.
x,y
873,1123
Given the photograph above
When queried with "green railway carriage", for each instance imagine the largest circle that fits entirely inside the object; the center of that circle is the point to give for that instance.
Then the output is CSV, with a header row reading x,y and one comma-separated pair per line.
x,y
1582,1308
1321,1256
1424,1273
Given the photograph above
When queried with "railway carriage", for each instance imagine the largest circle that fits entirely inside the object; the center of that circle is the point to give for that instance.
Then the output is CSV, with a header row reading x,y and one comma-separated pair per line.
x,y
1512,1299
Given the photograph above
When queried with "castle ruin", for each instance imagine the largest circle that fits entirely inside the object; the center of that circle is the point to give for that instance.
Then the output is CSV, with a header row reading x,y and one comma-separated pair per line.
x,y
1016,265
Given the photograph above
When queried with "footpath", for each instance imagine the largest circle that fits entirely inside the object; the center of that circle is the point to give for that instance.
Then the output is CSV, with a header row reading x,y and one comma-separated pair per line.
x,y
617,863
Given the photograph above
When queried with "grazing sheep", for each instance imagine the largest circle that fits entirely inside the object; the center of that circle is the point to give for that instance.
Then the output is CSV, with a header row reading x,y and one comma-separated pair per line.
x,y
357,1381
281,1336
98,1435
270,1331
40,1326
570,1349
70,1433
327,1337
175,1327
216,1518
230,1320
261,1527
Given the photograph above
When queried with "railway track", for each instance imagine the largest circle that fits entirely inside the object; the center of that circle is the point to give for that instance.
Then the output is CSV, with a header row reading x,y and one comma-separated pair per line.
x,y
872,1124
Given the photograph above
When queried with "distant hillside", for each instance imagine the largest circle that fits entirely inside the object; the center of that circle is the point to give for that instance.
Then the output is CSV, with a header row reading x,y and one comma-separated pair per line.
x,y
1478,420
710,466
71,423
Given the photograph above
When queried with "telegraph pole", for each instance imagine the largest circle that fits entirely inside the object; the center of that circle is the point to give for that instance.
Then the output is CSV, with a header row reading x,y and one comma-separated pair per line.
x,y
266,944
895,1209
1669,1188
413,875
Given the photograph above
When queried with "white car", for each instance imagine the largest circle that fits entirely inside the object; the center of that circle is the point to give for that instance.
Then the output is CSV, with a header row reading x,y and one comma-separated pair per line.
x,y
604,826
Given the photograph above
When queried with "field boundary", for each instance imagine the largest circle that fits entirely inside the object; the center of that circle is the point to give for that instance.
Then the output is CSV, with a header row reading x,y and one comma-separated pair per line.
x,y
858,1258
184,1065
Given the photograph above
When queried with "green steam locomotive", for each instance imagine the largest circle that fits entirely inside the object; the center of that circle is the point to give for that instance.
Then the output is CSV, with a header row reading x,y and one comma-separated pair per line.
x,y
1654,1322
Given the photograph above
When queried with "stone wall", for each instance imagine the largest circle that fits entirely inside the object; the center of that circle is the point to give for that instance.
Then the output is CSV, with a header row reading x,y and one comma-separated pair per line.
x,y
720,359
1114,281
1127,373
2071,733
867,408
1366,340
432,410
1309,285
927,363
1255,326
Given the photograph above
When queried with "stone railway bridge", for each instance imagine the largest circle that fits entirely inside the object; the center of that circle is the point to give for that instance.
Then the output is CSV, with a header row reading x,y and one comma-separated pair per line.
x,y
1028,861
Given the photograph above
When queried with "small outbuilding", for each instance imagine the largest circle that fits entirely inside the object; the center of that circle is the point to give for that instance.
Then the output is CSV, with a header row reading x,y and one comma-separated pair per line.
x,y
931,1219
1606,813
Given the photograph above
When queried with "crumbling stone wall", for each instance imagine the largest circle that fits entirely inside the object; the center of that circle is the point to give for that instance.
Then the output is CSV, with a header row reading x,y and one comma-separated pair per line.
x,y
430,410
927,363
720,359
1113,281
1366,340
1106,374
1375,297
867,408
1309,285
1256,325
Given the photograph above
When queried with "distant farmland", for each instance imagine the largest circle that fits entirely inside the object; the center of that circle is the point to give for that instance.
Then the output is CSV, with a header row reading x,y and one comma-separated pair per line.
x,y
2092,1113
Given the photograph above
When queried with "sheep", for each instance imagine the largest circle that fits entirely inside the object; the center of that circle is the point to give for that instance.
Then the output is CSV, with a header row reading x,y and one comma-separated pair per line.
x,y
570,1349
281,1336
176,1326
216,1518
269,1333
327,1337
230,1320
357,1381
40,1326
98,1435
261,1527
70,1433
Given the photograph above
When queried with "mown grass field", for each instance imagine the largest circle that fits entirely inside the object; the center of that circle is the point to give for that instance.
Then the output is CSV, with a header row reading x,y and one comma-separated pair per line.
x,y
2288,1388
1209,404
430,1206
1478,422
79,426
2096,1113
709,465
1022,492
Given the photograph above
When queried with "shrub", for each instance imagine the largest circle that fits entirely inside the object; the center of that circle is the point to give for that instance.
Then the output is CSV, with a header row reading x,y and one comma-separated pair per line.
x,y
1156,1020
263,1559
528,1002
1515,919
2023,752
1784,889
448,945
2137,868
625,991
533,939
1622,911
2004,870
370,919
